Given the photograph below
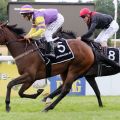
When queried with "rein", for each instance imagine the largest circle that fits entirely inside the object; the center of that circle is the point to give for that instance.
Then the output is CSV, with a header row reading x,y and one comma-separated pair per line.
x,y
25,53
14,41
9,42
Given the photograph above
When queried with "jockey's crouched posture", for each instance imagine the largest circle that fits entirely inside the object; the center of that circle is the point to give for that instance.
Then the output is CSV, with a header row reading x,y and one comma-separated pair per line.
x,y
96,20
45,22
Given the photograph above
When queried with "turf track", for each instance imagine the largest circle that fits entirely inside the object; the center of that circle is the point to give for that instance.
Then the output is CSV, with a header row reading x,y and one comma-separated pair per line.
x,y
71,108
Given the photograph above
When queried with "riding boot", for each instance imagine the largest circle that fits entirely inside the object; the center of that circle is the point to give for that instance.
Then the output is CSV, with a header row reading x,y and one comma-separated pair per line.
x,y
51,48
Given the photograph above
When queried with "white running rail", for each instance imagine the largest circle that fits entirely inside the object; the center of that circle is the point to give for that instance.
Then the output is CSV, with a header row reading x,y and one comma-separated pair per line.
x,y
6,58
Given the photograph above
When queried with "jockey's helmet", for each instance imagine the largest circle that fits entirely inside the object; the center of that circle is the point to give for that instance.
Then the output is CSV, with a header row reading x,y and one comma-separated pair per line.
x,y
26,9
84,11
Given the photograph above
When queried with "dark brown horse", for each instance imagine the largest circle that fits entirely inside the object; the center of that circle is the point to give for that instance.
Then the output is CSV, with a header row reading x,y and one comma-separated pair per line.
x,y
98,69
103,70
31,66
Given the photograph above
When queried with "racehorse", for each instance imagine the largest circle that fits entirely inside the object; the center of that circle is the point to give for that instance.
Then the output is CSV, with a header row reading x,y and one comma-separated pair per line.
x,y
103,70
32,67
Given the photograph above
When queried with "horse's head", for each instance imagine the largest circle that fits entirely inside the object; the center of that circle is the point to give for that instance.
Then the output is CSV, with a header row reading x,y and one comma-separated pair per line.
x,y
65,34
2,33
9,33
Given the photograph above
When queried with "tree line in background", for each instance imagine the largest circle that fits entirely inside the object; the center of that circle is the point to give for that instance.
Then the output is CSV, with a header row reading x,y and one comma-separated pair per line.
x,y
107,7
104,6
3,10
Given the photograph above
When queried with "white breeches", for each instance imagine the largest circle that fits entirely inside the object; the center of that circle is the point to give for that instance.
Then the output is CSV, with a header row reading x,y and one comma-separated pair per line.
x,y
53,27
40,83
107,33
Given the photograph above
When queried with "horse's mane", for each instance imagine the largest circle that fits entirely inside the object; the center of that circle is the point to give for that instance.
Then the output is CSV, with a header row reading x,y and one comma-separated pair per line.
x,y
71,33
65,34
18,31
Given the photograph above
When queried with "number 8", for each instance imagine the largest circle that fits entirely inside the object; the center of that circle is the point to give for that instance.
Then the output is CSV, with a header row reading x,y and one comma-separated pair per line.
x,y
111,55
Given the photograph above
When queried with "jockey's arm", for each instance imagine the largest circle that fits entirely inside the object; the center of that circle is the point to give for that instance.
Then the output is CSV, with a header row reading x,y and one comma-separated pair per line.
x,y
90,31
40,27
32,30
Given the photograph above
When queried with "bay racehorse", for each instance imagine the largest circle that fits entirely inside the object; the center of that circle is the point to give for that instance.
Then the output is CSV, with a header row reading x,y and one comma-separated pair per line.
x,y
31,66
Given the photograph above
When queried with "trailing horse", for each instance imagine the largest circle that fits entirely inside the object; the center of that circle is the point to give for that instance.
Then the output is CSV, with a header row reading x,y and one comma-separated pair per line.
x,y
98,69
31,65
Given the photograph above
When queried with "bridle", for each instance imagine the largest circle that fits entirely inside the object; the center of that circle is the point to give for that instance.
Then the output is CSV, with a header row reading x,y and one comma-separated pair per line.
x,y
26,52
8,42
2,32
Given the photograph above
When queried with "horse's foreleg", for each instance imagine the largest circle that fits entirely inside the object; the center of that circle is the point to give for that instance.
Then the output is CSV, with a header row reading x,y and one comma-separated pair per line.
x,y
19,80
93,84
24,87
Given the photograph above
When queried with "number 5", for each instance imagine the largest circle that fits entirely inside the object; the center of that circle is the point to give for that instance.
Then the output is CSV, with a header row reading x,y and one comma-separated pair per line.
x,y
61,48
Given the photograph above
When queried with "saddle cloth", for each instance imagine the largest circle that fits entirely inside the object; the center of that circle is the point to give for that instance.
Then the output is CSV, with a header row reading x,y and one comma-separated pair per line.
x,y
102,69
62,52
112,53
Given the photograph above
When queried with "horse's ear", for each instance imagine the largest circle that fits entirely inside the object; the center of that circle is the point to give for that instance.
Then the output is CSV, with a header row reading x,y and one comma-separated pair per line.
x,y
4,24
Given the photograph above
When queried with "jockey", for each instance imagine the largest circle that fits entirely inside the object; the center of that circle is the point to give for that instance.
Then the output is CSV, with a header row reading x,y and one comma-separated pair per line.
x,y
96,20
45,22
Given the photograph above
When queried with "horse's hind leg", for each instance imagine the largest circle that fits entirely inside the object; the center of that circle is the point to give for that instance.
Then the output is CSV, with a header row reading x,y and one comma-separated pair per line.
x,y
58,90
53,94
93,84
65,90
24,87
91,81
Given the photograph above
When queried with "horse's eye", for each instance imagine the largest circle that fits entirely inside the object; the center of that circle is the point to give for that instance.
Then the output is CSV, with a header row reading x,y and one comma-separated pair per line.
x,y
24,15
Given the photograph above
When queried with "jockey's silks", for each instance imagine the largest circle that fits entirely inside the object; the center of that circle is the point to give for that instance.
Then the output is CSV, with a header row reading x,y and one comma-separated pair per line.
x,y
40,19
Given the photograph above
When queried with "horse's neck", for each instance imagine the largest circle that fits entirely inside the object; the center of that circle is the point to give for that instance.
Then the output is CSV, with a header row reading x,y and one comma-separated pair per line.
x,y
16,48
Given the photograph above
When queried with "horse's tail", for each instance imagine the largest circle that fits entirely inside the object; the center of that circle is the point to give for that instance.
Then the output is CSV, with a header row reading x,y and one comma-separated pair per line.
x,y
109,62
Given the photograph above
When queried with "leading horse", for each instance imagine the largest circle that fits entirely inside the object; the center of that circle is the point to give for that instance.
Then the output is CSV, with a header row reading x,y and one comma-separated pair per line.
x,y
32,67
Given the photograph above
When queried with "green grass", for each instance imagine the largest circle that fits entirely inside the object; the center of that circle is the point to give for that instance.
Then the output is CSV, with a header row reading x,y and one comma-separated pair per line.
x,y
70,108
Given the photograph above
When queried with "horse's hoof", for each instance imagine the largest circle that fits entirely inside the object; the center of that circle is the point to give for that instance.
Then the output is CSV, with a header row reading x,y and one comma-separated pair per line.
x,y
47,101
101,106
43,100
40,91
44,110
8,109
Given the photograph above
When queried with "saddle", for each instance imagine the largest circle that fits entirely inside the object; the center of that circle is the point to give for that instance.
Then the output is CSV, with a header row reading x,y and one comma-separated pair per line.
x,y
62,52
44,46
94,45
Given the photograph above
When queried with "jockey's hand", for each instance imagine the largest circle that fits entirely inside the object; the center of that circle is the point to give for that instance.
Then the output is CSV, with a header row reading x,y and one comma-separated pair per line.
x,y
27,38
